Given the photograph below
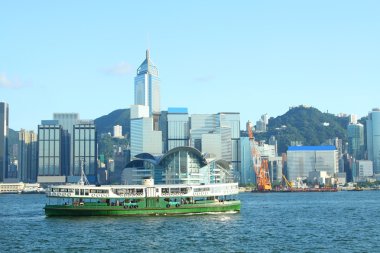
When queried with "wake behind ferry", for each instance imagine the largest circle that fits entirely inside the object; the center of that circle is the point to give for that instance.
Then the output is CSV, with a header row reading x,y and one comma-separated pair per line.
x,y
148,199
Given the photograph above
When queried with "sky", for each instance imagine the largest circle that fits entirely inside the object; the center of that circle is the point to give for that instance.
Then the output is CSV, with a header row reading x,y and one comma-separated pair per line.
x,y
252,57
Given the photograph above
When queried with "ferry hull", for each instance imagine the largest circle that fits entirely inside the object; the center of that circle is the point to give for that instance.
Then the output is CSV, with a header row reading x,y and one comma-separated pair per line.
x,y
59,210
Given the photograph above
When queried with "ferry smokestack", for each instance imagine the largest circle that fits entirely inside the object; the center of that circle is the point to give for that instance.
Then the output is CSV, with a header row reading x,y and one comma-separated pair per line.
x,y
148,181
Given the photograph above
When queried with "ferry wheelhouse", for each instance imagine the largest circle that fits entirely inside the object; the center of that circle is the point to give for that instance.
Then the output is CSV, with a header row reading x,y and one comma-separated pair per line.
x,y
148,199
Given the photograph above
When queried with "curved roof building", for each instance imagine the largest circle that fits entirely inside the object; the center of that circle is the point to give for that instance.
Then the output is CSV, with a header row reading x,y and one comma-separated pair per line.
x,y
181,165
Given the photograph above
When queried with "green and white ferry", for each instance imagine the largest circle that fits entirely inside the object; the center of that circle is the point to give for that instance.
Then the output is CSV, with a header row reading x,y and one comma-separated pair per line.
x,y
133,200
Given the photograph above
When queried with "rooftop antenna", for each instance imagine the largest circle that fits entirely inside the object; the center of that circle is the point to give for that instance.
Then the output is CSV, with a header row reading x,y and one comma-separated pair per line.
x,y
83,179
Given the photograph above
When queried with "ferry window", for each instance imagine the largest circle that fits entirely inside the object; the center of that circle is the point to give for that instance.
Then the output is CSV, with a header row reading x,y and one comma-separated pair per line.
x,y
184,190
174,190
165,190
85,192
76,191
139,191
81,191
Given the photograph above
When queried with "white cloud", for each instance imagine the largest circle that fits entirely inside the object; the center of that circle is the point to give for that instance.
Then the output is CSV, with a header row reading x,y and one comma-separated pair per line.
x,y
122,68
7,83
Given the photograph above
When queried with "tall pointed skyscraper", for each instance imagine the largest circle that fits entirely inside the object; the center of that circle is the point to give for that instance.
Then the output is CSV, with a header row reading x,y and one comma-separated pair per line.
x,y
147,86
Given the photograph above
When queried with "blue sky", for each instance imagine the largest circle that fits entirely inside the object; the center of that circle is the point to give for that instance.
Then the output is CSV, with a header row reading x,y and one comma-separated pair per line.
x,y
252,57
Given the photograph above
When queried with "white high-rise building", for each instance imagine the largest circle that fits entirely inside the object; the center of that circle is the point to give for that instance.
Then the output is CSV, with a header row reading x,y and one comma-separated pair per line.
x,y
147,86
373,139
143,138
117,131
218,143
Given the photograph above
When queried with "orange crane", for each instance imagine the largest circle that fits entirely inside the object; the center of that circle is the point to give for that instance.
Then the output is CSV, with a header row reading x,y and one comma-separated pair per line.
x,y
260,166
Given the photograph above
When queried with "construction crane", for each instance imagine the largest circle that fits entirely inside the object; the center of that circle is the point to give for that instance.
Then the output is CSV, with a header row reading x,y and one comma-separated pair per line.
x,y
288,184
260,166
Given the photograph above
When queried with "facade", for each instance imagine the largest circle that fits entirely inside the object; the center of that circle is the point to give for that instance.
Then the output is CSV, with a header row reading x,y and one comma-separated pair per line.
x,y
356,140
50,155
201,124
303,159
364,169
247,174
147,86
218,143
275,165
27,156
4,133
373,139
178,128
204,124
144,138
232,120
84,149
67,121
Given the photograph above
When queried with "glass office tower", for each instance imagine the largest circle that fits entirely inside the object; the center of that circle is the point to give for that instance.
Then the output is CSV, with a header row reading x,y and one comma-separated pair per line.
x,y
50,148
4,133
373,139
147,86
84,149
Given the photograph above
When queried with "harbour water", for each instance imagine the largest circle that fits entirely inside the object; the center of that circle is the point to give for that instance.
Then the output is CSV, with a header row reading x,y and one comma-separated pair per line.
x,y
268,222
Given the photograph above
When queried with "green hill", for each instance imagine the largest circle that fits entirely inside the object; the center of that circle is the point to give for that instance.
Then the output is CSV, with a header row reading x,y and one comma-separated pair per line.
x,y
305,124
104,124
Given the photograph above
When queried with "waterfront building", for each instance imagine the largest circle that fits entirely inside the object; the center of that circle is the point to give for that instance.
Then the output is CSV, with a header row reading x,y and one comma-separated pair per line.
x,y
27,156
84,150
303,159
373,139
178,130
275,166
247,174
4,133
181,165
363,170
355,134
117,131
147,86
50,153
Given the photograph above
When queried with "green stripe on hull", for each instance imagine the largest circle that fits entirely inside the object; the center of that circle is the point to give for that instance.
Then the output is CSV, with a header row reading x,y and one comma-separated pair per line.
x,y
59,210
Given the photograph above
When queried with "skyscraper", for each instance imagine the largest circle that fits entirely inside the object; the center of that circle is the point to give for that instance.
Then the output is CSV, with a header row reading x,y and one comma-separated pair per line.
x,y
84,149
373,139
4,133
147,86
50,153
356,140
178,132
27,156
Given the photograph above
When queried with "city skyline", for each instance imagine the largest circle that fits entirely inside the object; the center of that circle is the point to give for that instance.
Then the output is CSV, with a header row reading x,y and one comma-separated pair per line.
x,y
252,58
